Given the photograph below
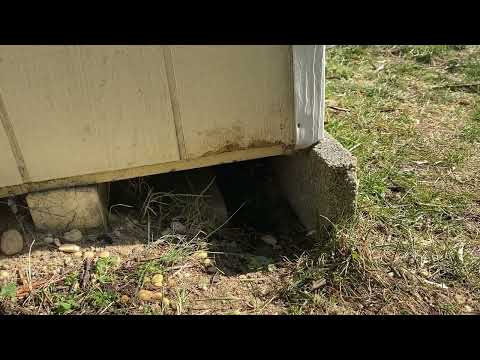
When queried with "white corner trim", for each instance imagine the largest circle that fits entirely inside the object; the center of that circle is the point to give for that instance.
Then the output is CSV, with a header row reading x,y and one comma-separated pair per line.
x,y
309,93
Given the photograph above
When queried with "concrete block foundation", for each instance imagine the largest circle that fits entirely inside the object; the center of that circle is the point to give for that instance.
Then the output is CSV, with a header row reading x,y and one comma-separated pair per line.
x,y
61,210
320,183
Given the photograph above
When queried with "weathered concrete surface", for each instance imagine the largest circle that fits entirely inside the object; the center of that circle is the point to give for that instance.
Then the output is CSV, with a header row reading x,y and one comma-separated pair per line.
x,y
65,209
320,183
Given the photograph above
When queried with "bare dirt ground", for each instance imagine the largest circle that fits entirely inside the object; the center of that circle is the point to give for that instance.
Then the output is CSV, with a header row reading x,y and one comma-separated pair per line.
x,y
411,116
206,267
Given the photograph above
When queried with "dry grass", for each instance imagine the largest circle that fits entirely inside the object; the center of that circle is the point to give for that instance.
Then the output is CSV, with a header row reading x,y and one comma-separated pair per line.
x,y
413,246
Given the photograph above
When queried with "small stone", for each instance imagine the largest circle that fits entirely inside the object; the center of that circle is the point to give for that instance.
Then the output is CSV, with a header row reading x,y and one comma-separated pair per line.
x,y
201,254
48,240
57,242
4,275
178,227
11,242
157,280
207,262
125,299
147,295
88,255
69,248
467,309
269,239
74,235
104,254
391,274
77,254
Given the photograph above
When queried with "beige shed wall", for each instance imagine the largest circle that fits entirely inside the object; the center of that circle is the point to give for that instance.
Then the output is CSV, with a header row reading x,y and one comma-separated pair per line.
x,y
83,109
233,97
9,174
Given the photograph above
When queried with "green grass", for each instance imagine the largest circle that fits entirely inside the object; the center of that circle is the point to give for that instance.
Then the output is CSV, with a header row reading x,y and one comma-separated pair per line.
x,y
65,304
425,54
104,270
100,298
146,269
410,214
471,131
8,291
174,254
471,69
71,279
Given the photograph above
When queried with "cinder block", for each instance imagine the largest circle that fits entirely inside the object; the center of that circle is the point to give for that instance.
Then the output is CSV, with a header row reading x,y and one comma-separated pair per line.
x,y
320,183
61,210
